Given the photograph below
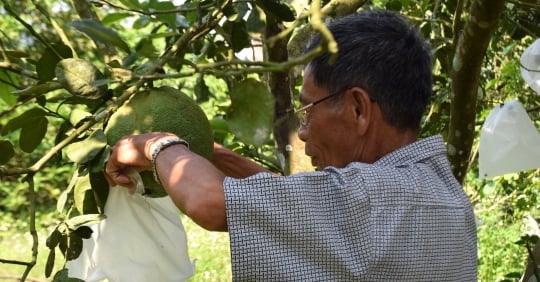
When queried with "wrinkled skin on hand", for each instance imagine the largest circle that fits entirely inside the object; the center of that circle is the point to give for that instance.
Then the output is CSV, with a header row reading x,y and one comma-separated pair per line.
x,y
132,152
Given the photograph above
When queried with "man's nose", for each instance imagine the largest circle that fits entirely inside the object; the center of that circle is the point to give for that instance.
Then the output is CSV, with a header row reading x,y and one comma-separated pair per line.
x,y
302,133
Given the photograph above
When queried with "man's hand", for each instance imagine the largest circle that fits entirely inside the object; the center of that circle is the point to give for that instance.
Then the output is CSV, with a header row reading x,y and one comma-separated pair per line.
x,y
130,153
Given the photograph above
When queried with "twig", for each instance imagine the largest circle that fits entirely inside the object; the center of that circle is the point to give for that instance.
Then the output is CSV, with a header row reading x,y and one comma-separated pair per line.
x,y
16,69
12,172
318,25
32,209
17,262
253,67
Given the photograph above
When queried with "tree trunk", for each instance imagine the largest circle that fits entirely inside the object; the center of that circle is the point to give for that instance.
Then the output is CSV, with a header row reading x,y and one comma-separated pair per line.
x,y
280,86
470,51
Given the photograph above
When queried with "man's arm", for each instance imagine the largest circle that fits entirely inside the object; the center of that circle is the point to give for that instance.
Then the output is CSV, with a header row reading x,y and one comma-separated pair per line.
x,y
233,164
194,183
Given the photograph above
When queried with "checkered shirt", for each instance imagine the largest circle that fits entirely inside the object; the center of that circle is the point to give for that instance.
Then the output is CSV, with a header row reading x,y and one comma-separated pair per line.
x,y
402,218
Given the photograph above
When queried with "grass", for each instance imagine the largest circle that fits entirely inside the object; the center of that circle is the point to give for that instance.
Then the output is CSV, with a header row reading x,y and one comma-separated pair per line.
x,y
209,249
498,253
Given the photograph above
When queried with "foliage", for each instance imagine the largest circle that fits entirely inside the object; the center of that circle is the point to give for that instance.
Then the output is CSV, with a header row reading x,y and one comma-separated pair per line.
x,y
498,255
66,67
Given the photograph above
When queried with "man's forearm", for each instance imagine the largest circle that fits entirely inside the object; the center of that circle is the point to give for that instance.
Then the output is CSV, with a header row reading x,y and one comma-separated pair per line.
x,y
195,186
233,164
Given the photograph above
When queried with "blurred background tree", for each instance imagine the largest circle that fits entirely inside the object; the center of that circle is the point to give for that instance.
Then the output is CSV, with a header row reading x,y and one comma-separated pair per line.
x,y
219,53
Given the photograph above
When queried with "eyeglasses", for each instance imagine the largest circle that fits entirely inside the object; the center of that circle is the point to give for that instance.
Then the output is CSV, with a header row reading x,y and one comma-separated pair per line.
x,y
303,113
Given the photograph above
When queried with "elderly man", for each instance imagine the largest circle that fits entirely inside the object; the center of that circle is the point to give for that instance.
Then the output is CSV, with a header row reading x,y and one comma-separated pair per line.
x,y
382,204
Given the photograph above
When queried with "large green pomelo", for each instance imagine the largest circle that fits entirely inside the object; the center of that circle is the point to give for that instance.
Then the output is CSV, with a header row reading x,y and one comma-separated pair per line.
x,y
163,109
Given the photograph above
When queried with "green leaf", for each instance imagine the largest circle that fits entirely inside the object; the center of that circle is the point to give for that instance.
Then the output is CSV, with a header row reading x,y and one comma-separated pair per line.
x,y
63,244
84,232
32,134
50,263
37,90
97,164
100,187
61,276
167,18
50,58
79,76
62,200
238,35
142,22
54,239
100,33
146,48
133,4
86,219
220,128
255,22
25,119
243,8
394,5
6,151
84,196
280,10
202,92
251,113
7,86
230,12
79,192
114,17
83,151
75,246
78,115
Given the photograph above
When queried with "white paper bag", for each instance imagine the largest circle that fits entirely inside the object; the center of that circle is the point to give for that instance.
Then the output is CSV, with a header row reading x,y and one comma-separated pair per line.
x,y
530,66
142,239
509,141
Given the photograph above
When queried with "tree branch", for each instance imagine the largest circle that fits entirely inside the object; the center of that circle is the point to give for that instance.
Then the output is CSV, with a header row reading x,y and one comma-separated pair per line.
x,y
32,210
466,66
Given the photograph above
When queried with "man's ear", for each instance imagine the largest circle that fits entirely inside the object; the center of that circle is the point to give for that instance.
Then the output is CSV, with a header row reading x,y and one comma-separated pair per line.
x,y
363,109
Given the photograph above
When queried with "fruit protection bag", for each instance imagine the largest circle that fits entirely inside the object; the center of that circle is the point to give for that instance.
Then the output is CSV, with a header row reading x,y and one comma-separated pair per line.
x,y
141,239
509,141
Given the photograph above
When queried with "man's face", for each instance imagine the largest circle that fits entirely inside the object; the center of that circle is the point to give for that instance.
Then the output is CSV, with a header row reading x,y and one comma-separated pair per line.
x,y
329,130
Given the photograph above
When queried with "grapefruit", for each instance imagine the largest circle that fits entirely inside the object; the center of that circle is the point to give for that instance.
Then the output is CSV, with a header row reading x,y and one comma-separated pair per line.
x,y
163,109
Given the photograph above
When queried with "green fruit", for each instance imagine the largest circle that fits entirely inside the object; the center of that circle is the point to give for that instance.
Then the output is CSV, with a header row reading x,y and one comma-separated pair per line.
x,y
164,109
78,77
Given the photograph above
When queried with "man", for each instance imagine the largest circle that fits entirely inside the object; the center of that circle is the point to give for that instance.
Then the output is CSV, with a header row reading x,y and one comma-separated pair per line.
x,y
382,205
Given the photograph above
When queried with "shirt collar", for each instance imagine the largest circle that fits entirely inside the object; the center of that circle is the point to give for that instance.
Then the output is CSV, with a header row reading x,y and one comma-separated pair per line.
x,y
415,152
